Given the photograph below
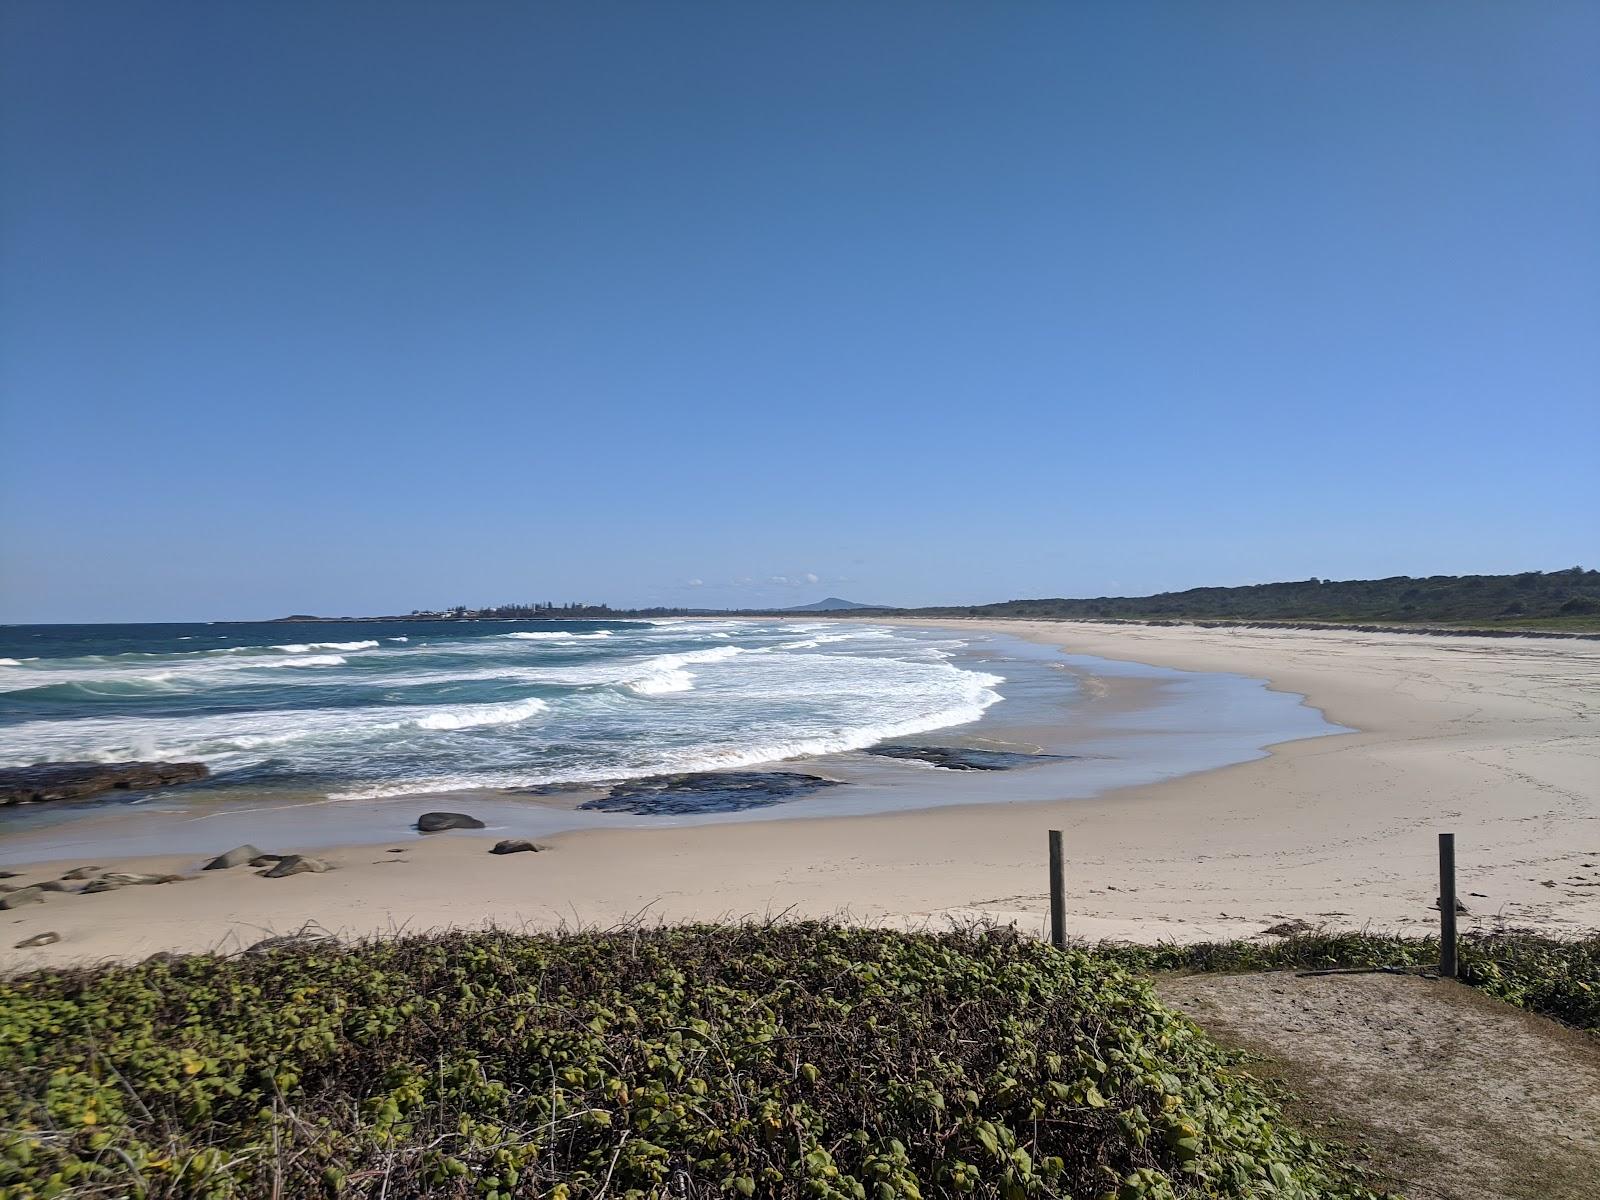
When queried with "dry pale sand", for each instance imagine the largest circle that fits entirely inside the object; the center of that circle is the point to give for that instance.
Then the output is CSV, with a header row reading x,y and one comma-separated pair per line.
x,y
1494,739
1450,1094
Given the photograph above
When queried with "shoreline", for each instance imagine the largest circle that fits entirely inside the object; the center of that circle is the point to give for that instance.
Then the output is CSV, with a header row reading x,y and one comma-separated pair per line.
x,y
1496,742
1095,724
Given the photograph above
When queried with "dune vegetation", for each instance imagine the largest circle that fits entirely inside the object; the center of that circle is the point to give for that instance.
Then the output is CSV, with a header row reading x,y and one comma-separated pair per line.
x,y
1555,977
785,1060
1553,601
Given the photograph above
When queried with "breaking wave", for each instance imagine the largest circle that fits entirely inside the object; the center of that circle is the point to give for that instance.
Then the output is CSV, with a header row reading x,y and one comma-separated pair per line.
x,y
307,647
557,635
472,705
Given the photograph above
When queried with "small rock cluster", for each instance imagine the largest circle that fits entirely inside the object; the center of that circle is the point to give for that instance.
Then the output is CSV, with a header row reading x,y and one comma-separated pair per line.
x,y
96,879
438,822
274,866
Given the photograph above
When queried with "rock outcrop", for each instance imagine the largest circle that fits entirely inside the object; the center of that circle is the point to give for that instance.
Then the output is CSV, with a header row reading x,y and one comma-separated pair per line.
x,y
82,780
961,758
706,792
434,822
237,857
296,864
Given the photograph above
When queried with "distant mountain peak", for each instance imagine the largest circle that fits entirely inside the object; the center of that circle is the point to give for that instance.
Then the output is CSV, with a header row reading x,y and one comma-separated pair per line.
x,y
832,604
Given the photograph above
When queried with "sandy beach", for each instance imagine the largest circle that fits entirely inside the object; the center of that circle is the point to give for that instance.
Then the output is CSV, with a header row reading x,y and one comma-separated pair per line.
x,y
1493,739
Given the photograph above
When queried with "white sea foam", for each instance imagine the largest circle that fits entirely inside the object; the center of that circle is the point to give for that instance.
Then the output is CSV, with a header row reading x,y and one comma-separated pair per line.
x,y
560,635
307,647
977,694
473,716
239,739
662,683
664,675
397,639
485,711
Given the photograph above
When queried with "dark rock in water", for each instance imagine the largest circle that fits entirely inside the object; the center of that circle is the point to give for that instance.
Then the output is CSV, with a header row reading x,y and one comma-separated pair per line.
x,y
515,846
436,821
27,895
39,939
80,780
697,792
958,758
236,857
296,864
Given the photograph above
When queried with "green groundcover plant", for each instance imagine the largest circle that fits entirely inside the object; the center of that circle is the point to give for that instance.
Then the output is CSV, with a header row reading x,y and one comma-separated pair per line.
x,y
1556,977
788,1059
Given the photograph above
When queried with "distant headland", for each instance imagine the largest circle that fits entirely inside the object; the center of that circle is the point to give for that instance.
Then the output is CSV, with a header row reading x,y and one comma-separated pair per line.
x,y
1532,602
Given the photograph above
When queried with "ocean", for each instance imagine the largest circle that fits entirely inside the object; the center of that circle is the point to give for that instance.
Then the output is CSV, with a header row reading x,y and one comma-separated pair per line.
x,y
361,710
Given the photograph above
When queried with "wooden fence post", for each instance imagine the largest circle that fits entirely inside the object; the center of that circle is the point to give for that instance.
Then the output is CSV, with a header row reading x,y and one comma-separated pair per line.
x,y
1058,894
1447,906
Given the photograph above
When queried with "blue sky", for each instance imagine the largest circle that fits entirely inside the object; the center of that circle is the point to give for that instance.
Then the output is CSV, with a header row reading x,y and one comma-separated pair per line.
x,y
360,307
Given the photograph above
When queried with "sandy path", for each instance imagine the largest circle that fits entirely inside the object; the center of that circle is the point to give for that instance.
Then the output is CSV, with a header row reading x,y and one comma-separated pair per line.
x,y
1495,739
1456,1096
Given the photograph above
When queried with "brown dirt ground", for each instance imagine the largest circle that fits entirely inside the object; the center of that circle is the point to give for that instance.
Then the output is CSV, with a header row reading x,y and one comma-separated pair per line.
x,y
1449,1094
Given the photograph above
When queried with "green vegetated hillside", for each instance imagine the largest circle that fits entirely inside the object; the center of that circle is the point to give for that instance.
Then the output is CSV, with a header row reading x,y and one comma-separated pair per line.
x,y
790,1060
1553,600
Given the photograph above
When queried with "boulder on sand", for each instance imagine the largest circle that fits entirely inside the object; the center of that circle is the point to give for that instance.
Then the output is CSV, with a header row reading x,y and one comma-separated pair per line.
x,y
296,864
237,857
515,846
310,934
27,895
135,878
113,880
434,822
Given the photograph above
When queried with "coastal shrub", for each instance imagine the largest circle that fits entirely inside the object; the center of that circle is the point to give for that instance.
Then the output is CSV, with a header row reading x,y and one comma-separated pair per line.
x,y
1554,600
784,1060
1556,977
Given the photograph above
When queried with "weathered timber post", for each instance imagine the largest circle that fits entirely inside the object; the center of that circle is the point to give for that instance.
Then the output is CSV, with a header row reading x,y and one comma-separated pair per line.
x,y
1447,905
1058,894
